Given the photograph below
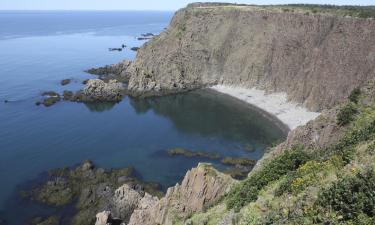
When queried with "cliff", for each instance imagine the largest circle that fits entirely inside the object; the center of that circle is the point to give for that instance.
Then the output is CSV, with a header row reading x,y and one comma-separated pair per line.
x,y
317,59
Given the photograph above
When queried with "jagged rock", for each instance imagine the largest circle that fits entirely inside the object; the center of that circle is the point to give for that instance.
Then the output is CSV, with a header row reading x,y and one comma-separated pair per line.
x,y
143,213
103,218
201,187
98,90
124,202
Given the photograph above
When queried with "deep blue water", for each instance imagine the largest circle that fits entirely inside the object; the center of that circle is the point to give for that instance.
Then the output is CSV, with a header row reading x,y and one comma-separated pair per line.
x,y
38,49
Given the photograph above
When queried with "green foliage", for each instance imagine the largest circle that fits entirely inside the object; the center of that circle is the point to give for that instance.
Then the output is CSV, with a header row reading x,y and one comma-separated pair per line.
x,y
354,95
352,198
304,176
247,191
345,147
346,114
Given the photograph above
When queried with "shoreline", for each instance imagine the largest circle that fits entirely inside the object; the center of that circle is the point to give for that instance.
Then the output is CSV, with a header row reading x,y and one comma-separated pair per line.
x,y
291,114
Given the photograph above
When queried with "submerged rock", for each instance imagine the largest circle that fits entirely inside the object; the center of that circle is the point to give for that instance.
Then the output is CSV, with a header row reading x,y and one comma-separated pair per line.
x,y
65,82
51,98
190,154
134,49
68,95
50,94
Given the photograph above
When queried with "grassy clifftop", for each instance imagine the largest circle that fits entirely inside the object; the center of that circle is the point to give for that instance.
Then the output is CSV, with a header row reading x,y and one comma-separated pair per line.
x,y
346,10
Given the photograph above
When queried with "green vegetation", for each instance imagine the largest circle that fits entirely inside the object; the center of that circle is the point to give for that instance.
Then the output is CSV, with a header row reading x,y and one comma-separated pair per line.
x,y
247,191
352,198
307,9
354,95
346,114
352,11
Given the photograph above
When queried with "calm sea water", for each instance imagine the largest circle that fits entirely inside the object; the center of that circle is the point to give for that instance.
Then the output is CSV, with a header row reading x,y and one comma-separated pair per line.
x,y
38,49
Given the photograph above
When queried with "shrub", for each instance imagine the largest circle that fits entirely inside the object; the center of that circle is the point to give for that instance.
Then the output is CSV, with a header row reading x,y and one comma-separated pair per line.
x,y
351,197
354,95
247,191
346,114
297,181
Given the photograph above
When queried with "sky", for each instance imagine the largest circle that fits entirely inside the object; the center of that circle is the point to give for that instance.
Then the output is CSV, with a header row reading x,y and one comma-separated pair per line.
x,y
145,4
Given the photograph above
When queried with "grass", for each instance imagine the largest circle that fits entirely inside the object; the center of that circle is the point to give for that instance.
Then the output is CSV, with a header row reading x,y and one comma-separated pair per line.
x,y
346,10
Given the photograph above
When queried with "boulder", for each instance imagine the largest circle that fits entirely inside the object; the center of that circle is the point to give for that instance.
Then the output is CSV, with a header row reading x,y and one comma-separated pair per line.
x,y
98,91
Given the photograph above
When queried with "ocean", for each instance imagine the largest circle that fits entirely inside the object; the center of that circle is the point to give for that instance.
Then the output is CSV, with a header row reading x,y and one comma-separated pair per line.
x,y
40,48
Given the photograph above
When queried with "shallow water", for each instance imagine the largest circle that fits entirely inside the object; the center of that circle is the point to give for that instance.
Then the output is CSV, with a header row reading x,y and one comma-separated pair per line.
x,y
38,49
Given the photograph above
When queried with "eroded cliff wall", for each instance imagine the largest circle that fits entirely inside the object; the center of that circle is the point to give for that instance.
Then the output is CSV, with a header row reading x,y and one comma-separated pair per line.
x,y
316,59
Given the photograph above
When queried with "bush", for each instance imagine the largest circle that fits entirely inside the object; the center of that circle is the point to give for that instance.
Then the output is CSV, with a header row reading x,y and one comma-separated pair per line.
x,y
304,176
354,95
247,191
346,114
351,197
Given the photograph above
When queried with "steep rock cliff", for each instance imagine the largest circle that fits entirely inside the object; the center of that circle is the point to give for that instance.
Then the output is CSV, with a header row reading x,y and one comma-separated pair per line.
x,y
316,59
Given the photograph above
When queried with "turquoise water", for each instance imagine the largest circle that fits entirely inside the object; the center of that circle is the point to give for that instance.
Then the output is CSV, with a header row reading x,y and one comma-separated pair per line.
x,y
38,49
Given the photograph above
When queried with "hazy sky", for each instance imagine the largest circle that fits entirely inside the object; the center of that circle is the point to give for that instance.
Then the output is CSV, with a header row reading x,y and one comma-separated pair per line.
x,y
147,4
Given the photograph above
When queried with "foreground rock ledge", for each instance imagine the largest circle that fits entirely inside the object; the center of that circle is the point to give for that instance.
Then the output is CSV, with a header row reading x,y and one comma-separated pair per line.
x,y
202,186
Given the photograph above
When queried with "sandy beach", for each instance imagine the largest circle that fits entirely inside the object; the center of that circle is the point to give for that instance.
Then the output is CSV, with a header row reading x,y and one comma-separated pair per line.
x,y
277,104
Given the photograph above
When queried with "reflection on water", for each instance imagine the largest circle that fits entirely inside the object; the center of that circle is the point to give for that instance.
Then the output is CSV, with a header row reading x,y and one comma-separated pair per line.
x,y
212,114
100,106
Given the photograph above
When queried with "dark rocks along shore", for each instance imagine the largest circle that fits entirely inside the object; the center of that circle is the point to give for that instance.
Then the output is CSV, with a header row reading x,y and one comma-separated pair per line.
x,y
88,188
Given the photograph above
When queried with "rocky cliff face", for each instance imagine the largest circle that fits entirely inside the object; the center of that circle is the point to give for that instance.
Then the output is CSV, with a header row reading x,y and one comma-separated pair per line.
x,y
316,59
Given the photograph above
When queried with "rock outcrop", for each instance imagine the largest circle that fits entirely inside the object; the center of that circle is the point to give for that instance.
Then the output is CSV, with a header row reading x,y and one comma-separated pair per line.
x,y
201,187
98,90
316,59
116,71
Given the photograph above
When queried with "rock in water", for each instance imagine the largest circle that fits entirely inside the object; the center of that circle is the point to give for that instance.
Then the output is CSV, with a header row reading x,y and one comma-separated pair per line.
x,y
65,82
68,95
98,90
